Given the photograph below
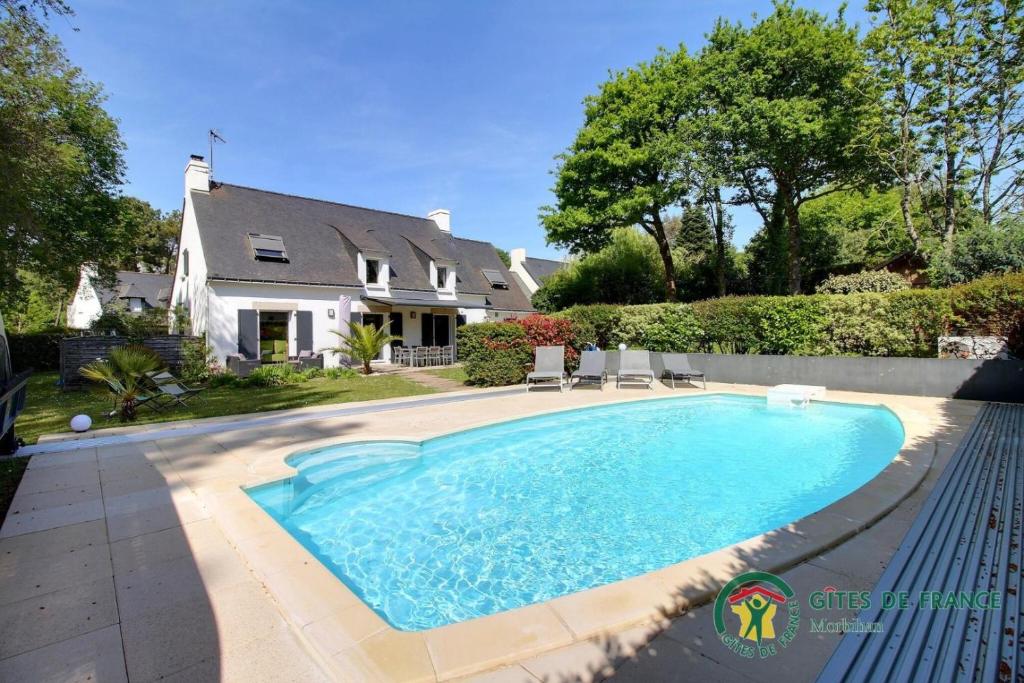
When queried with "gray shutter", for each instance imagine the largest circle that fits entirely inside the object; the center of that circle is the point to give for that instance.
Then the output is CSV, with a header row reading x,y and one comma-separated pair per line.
x,y
249,333
304,330
356,317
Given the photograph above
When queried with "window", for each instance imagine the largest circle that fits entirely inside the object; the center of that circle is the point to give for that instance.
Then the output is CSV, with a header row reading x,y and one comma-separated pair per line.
x,y
442,277
372,271
495,277
267,247
184,263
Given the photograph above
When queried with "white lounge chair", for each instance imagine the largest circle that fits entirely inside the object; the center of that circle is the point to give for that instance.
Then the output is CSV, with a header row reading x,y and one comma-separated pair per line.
x,y
548,365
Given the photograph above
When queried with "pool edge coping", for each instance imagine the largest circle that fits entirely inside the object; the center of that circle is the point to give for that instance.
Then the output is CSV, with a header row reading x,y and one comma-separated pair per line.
x,y
490,642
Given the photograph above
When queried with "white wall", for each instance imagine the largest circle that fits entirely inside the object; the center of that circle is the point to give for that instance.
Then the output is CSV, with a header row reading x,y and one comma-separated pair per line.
x,y
226,298
191,291
86,306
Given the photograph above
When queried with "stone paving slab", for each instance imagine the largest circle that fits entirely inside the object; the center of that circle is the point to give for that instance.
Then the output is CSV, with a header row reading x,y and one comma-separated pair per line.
x,y
144,559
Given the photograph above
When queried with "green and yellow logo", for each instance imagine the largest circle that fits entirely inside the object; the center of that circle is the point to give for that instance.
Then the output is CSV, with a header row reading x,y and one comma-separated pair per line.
x,y
756,613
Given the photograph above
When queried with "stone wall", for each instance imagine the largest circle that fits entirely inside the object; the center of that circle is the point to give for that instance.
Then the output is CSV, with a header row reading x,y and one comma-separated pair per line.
x,y
973,347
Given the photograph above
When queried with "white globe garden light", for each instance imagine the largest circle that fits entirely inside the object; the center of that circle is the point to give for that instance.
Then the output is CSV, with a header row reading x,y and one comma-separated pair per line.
x,y
622,347
81,423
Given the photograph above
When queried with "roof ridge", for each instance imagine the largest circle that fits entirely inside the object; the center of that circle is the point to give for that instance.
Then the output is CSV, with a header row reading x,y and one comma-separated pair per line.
x,y
470,239
323,201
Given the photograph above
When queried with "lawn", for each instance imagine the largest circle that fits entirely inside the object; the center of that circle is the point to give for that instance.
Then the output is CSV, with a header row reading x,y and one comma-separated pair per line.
x,y
48,409
456,374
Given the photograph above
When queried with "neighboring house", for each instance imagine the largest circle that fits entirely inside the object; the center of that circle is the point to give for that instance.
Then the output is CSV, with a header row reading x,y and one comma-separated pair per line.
x,y
137,292
911,266
530,272
260,270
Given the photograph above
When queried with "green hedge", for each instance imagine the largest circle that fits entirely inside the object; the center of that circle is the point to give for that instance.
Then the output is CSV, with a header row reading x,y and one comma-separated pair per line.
x,y
39,351
494,354
898,323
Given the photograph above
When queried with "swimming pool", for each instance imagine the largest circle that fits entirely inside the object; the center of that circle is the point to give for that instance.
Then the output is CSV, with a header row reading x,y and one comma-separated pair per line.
x,y
519,512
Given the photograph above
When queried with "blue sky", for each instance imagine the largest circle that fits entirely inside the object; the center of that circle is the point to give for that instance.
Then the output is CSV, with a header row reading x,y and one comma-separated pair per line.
x,y
403,106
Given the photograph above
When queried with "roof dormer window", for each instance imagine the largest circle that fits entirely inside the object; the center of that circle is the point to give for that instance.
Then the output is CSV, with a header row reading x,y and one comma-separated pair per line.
x,y
372,271
267,247
495,277
442,277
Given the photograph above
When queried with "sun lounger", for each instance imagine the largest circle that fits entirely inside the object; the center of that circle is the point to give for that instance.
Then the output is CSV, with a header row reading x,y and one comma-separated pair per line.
x,y
548,365
635,367
592,364
677,366
171,389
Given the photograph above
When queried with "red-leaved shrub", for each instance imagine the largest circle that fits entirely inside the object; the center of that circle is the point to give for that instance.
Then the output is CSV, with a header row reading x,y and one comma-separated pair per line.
x,y
543,330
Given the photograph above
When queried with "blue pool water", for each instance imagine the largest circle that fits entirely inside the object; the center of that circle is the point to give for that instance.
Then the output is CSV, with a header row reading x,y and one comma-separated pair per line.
x,y
490,519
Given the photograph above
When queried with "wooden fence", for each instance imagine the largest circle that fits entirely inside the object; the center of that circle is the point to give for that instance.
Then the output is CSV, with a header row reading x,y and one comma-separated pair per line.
x,y
78,351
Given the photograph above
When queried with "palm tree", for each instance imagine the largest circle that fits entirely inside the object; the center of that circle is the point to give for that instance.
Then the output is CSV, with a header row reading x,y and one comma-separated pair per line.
x,y
124,373
363,343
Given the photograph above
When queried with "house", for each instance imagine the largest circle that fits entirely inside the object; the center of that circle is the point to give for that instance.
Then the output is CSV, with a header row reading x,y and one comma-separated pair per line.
x,y
259,270
911,265
530,272
137,292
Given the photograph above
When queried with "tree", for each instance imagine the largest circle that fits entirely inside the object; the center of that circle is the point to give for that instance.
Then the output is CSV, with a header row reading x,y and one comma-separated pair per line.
x,y
504,256
998,130
363,343
148,238
949,123
60,156
625,167
895,48
788,101
626,271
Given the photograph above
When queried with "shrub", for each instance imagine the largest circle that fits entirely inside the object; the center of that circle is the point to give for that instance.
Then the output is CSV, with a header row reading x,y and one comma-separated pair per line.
x,y
924,315
39,351
152,322
543,330
989,305
273,376
594,324
790,325
313,373
225,379
861,325
907,322
658,327
198,361
495,354
865,281
730,324
340,373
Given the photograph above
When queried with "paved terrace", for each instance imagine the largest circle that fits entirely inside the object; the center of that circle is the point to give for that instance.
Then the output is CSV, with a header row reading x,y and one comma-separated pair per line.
x,y
136,556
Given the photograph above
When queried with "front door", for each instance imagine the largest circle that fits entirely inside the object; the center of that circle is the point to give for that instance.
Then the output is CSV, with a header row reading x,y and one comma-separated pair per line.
x,y
377,320
442,330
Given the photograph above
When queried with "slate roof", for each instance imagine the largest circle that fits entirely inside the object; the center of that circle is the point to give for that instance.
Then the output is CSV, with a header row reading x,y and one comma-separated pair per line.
x,y
323,239
147,286
541,268
474,257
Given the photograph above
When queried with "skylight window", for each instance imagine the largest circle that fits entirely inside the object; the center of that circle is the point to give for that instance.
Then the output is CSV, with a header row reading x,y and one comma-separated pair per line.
x,y
495,277
268,247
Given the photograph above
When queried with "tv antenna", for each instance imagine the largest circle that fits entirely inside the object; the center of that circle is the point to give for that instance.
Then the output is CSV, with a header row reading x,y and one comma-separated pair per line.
x,y
214,136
